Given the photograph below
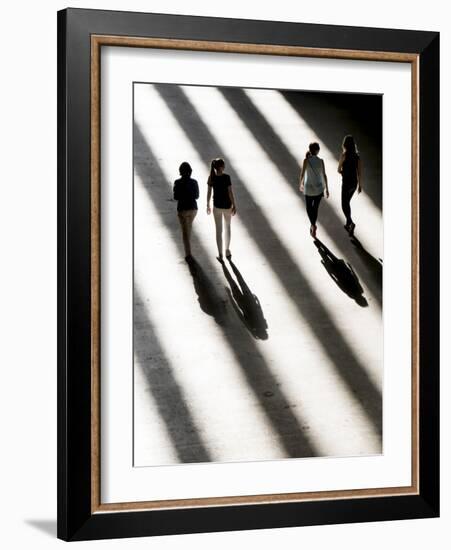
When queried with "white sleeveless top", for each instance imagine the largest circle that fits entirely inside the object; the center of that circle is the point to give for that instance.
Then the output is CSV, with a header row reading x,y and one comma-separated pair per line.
x,y
314,183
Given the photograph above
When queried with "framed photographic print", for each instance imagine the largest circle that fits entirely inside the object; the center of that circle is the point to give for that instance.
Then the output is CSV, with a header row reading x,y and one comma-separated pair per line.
x,y
248,274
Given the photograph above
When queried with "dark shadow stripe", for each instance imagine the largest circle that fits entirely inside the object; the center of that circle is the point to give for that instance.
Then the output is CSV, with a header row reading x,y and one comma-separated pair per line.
x,y
280,261
173,407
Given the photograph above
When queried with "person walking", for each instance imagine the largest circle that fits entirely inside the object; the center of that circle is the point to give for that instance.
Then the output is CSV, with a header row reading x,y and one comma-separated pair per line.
x,y
186,192
313,183
350,168
224,206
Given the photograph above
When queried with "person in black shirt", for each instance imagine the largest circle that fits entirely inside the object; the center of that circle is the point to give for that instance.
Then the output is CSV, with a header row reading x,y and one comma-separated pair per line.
x,y
350,168
224,206
186,191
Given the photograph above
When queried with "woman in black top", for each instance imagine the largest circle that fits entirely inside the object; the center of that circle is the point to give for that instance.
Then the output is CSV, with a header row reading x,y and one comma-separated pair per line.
x,y
186,191
350,168
223,204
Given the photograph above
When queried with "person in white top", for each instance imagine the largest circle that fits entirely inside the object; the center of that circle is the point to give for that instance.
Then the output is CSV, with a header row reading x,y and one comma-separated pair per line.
x,y
313,183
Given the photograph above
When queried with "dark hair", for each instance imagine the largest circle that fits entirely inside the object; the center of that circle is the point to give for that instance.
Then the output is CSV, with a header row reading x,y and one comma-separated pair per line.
x,y
349,146
185,170
313,149
215,164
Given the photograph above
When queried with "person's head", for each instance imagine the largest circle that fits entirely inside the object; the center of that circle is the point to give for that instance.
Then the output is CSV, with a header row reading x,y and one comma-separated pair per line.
x,y
217,166
349,145
185,170
313,150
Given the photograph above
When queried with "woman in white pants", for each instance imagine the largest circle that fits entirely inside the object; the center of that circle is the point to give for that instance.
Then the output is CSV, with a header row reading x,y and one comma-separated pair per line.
x,y
224,206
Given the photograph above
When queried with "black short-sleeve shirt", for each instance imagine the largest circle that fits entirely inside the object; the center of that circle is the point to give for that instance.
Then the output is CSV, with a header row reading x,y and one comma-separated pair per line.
x,y
186,191
221,186
349,169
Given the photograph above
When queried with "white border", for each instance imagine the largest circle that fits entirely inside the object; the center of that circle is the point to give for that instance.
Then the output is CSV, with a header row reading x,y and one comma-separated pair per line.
x,y
120,482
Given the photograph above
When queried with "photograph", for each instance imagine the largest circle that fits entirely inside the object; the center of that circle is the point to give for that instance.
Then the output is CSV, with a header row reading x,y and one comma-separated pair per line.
x,y
226,243
248,322
258,254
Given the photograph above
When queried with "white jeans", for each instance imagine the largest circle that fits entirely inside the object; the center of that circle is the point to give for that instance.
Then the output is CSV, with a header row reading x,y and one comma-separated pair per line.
x,y
219,214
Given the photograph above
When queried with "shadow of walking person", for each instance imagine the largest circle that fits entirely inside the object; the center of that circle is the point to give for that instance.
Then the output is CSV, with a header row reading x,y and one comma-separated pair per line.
x,y
342,273
374,265
246,304
209,300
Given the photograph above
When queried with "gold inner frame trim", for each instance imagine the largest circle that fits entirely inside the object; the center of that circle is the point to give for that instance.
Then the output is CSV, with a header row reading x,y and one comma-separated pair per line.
x,y
97,41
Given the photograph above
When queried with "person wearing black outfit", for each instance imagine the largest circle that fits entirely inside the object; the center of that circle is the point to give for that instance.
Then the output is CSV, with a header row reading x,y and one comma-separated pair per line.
x,y
186,191
350,168
224,206
313,183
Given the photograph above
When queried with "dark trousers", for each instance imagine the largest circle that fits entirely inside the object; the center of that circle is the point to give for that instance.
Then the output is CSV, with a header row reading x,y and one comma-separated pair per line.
x,y
312,205
347,192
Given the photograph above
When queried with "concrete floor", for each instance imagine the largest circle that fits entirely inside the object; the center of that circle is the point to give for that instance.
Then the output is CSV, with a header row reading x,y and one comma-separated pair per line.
x,y
278,354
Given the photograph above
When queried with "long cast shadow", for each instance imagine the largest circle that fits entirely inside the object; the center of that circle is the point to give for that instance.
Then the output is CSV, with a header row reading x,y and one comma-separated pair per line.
x,y
342,274
288,166
210,301
297,286
375,266
333,115
172,405
246,304
259,377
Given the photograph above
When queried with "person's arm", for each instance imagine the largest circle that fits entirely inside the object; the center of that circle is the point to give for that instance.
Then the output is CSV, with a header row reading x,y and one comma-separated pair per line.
x,y
325,179
301,177
340,164
176,191
232,199
359,175
196,190
209,195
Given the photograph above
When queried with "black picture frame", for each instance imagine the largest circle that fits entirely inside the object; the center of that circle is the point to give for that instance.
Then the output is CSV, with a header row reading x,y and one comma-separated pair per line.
x,y
76,519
